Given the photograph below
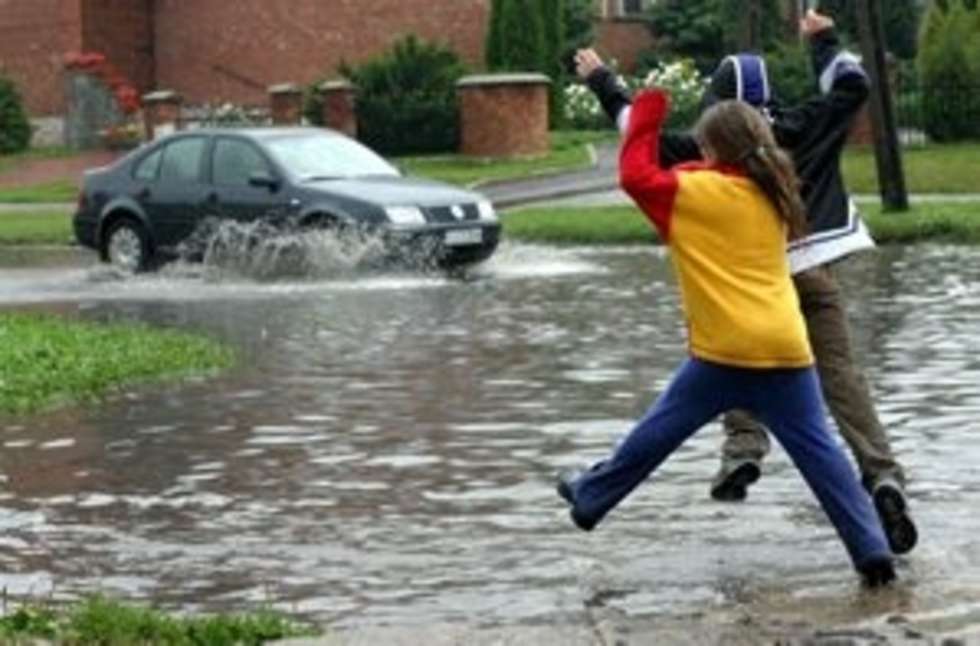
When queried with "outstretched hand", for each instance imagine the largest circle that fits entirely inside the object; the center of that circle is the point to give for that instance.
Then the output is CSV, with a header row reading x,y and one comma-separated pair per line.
x,y
586,62
813,23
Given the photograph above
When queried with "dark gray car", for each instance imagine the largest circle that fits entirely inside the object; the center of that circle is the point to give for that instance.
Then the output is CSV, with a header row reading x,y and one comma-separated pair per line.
x,y
142,208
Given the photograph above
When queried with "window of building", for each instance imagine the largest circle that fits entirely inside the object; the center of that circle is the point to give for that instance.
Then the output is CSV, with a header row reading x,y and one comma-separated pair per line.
x,y
634,7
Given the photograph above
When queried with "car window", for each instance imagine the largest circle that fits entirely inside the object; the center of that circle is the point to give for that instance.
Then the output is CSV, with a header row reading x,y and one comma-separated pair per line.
x,y
182,160
149,166
235,161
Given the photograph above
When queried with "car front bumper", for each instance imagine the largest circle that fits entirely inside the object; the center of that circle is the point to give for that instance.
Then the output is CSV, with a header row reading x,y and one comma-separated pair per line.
x,y
445,246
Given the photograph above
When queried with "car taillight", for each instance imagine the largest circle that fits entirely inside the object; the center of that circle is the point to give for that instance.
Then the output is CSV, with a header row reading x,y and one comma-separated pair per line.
x,y
82,201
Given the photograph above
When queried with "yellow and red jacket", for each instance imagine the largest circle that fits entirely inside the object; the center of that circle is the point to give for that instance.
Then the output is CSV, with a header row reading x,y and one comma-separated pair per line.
x,y
728,246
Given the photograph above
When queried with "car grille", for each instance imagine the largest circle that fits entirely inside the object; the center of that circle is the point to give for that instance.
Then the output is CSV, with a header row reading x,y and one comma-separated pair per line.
x,y
445,213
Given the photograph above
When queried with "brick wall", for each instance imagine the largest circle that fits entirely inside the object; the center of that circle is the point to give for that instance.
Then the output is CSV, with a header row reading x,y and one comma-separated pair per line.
x,y
34,37
623,40
232,51
123,31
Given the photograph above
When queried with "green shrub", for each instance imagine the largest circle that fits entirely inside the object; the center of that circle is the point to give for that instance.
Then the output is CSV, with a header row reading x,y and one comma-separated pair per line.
x,y
406,98
949,69
15,129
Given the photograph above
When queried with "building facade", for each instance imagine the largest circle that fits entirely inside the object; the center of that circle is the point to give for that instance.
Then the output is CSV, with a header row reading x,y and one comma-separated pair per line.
x,y
217,51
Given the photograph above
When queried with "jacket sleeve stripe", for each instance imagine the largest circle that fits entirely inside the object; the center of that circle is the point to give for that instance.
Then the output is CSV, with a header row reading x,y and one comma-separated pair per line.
x,y
844,64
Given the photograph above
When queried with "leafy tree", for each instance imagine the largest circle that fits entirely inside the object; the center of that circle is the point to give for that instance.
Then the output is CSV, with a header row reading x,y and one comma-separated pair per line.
x,y
900,20
553,23
948,70
579,23
15,129
516,40
701,29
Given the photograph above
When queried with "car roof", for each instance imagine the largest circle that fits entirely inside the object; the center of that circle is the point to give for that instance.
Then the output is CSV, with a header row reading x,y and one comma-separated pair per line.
x,y
257,133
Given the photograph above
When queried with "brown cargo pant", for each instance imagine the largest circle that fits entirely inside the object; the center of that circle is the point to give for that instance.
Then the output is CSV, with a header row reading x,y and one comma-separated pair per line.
x,y
844,388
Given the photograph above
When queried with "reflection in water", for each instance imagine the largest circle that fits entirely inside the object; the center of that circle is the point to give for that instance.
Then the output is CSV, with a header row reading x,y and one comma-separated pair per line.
x,y
385,452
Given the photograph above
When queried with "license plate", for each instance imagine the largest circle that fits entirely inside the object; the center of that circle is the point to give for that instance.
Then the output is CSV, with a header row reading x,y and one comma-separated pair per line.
x,y
464,236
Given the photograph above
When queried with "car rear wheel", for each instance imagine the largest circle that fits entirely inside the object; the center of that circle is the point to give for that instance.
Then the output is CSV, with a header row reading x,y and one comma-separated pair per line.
x,y
127,246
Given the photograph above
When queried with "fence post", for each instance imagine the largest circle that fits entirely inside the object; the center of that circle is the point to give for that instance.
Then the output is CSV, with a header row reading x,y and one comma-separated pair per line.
x,y
162,113
286,104
504,115
338,106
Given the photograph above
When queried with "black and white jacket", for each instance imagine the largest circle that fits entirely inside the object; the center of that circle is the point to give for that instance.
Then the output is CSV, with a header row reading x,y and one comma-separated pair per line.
x,y
814,133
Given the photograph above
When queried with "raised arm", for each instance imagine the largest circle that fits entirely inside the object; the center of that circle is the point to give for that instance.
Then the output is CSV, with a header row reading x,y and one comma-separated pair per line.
x,y
844,87
675,147
652,187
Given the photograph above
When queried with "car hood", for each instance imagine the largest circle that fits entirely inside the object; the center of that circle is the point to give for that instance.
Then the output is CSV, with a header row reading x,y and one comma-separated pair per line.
x,y
396,191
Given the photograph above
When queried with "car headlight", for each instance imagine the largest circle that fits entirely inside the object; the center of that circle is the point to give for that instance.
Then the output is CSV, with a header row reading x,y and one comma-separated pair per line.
x,y
485,209
405,216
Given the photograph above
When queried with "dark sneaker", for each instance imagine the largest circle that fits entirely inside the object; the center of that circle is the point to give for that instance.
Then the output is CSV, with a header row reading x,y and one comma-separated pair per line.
x,y
892,509
732,482
877,572
564,489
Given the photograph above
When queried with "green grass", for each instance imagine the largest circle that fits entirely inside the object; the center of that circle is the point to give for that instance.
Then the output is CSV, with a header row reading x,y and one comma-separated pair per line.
x,y
618,225
59,191
102,621
46,361
568,152
35,228
939,222
949,168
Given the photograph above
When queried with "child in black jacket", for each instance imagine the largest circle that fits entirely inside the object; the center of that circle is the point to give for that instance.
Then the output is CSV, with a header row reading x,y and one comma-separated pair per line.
x,y
814,133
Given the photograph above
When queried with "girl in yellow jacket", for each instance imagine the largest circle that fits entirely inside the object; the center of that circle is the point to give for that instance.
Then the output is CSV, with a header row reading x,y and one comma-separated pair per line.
x,y
727,220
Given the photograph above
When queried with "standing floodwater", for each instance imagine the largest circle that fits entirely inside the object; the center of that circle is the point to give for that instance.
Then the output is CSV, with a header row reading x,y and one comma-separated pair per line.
x,y
384,453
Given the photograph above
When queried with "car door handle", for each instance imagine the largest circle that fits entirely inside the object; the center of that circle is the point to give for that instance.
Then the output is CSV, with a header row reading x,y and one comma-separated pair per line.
x,y
212,198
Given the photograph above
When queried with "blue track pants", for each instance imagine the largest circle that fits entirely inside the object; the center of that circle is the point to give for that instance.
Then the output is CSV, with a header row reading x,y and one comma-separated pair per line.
x,y
788,401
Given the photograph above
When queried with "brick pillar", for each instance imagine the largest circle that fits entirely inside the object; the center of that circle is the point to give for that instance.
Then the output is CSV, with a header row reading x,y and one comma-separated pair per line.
x,y
162,113
286,104
504,115
338,107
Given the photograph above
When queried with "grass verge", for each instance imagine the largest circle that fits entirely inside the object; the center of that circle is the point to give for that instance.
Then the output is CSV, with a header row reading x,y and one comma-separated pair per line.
x,y
45,360
568,152
947,168
619,225
101,621
59,191
35,228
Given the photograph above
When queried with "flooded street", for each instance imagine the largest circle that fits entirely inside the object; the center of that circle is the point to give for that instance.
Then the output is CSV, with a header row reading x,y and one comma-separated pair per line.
x,y
384,453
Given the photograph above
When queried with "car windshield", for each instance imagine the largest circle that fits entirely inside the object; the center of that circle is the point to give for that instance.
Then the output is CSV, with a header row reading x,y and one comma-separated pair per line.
x,y
309,157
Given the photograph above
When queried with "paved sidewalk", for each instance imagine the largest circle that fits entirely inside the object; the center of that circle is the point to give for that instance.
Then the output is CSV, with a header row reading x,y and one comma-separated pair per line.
x,y
603,176
613,629
599,186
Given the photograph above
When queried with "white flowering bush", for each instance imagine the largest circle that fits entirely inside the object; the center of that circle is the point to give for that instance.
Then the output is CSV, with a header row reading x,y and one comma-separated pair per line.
x,y
681,78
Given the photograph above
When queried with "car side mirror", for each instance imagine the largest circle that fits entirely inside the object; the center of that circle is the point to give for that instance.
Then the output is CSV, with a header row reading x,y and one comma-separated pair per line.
x,y
262,179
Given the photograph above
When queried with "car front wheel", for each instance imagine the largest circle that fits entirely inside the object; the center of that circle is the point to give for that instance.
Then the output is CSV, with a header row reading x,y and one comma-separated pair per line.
x,y
127,246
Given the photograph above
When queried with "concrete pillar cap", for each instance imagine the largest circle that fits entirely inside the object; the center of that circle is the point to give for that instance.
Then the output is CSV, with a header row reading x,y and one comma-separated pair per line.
x,y
162,96
335,84
285,88
512,78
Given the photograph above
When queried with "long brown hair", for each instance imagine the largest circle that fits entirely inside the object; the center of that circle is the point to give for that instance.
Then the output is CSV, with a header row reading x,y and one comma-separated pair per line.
x,y
735,134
